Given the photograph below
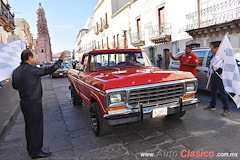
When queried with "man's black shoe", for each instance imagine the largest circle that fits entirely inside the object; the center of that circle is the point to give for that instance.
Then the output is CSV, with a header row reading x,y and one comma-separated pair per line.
x,y
42,155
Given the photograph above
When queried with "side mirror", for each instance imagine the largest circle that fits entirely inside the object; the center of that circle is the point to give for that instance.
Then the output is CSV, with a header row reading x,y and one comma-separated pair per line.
x,y
80,67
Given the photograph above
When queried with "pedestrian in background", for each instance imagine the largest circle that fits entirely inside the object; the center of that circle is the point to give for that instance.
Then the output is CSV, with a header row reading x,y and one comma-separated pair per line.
x,y
159,60
188,60
74,63
217,84
26,79
1,84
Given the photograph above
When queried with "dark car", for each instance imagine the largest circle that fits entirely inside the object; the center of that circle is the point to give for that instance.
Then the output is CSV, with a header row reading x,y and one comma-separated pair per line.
x,y
61,72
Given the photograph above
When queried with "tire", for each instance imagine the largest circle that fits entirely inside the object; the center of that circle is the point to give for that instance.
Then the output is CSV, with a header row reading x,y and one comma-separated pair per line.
x,y
76,99
175,115
98,123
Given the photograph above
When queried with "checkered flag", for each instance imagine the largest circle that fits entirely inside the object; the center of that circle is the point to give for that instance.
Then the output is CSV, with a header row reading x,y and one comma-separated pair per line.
x,y
230,75
10,54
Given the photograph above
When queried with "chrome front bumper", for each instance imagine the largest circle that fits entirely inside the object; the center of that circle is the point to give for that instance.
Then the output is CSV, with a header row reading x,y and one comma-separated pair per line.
x,y
147,113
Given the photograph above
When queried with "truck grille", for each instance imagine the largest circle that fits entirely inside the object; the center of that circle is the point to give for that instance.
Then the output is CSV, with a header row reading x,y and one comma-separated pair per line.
x,y
156,95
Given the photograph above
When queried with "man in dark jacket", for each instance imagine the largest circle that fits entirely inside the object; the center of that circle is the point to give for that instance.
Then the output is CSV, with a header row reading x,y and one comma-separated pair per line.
x,y
26,79
217,84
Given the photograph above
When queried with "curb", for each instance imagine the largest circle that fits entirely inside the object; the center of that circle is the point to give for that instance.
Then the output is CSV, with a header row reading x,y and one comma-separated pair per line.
x,y
8,123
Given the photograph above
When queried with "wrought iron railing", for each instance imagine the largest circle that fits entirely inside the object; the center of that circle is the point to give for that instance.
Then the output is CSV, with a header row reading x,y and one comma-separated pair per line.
x,y
216,14
160,30
137,37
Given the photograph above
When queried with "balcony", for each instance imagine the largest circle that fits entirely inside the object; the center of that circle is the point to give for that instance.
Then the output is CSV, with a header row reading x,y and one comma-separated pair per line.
x,y
96,30
6,18
160,34
100,27
105,24
215,20
138,39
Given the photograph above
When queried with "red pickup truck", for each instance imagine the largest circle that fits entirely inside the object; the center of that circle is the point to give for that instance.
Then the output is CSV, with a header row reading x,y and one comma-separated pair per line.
x,y
122,86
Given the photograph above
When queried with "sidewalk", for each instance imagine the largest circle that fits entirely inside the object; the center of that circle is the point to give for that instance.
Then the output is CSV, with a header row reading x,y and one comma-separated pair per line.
x,y
9,108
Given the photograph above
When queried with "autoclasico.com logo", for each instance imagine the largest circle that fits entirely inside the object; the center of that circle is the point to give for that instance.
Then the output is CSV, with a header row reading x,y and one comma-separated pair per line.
x,y
188,154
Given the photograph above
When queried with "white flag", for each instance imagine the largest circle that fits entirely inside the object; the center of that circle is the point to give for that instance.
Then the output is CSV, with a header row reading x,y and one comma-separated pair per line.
x,y
225,59
10,58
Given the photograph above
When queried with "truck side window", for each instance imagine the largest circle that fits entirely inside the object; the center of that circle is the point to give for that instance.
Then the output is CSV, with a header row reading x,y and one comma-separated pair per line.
x,y
85,62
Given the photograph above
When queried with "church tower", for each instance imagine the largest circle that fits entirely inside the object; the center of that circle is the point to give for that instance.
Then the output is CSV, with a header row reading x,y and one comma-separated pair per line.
x,y
42,43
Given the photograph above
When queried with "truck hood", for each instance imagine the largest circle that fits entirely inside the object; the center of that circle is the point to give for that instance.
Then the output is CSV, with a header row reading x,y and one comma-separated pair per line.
x,y
134,77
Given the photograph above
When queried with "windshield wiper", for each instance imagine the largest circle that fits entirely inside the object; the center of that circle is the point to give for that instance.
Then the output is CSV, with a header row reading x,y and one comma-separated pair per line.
x,y
111,68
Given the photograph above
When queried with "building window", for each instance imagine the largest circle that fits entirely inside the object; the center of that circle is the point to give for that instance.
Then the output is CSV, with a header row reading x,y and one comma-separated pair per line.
x,y
106,18
195,45
101,25
215,42
102,44
114,43
161,18
117,41
139,27
107,44
42,50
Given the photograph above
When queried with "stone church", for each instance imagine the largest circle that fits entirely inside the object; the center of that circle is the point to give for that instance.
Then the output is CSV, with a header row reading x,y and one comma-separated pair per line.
x,y
42,45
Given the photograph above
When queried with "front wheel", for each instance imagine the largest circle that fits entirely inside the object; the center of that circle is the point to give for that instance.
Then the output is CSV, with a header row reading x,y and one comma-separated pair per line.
x,y
176,115
98,123
76,99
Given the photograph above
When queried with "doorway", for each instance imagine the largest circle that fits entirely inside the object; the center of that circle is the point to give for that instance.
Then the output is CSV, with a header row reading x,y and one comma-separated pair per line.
x,y
152,55
166,58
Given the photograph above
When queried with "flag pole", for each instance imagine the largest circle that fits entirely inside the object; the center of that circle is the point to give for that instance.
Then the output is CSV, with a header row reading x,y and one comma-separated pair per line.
x,y
209,79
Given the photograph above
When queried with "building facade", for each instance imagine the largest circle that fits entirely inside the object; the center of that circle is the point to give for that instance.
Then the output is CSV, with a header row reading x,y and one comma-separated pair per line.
x,y
164,26
42,45
7,25
86,39
212,20
22,30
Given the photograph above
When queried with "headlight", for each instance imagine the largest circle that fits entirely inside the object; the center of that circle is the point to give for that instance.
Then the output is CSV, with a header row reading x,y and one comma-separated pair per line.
x,y
190,87
116,98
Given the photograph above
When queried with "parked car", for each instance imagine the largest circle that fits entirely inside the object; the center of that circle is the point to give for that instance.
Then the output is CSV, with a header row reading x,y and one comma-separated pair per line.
x,y
204,56
125,91
61,72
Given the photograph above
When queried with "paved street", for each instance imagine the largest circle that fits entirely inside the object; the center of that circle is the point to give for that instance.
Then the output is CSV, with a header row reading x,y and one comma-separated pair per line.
x,y
68,135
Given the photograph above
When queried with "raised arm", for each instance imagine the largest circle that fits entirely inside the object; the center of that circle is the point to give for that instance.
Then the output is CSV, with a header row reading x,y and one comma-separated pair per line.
x,y
45,71
174,58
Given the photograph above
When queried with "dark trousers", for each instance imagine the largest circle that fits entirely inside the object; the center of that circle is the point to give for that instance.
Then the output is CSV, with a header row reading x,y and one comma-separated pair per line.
x,y
33,116
217,84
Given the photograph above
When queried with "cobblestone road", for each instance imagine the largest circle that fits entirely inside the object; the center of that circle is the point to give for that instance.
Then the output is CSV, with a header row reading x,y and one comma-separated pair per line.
x,y
68,135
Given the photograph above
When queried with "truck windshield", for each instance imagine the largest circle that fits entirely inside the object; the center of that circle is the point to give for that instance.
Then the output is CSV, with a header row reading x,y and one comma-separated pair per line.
x,y
118,60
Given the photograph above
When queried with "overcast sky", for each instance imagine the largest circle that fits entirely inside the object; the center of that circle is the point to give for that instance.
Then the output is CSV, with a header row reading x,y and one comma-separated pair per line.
x,y
64,17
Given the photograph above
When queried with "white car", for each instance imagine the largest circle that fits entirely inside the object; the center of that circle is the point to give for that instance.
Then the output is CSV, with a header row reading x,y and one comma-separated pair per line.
x,y
204,57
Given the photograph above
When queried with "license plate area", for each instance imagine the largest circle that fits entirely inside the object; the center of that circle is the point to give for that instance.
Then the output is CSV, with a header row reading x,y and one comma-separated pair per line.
x,y
159,112
61,74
